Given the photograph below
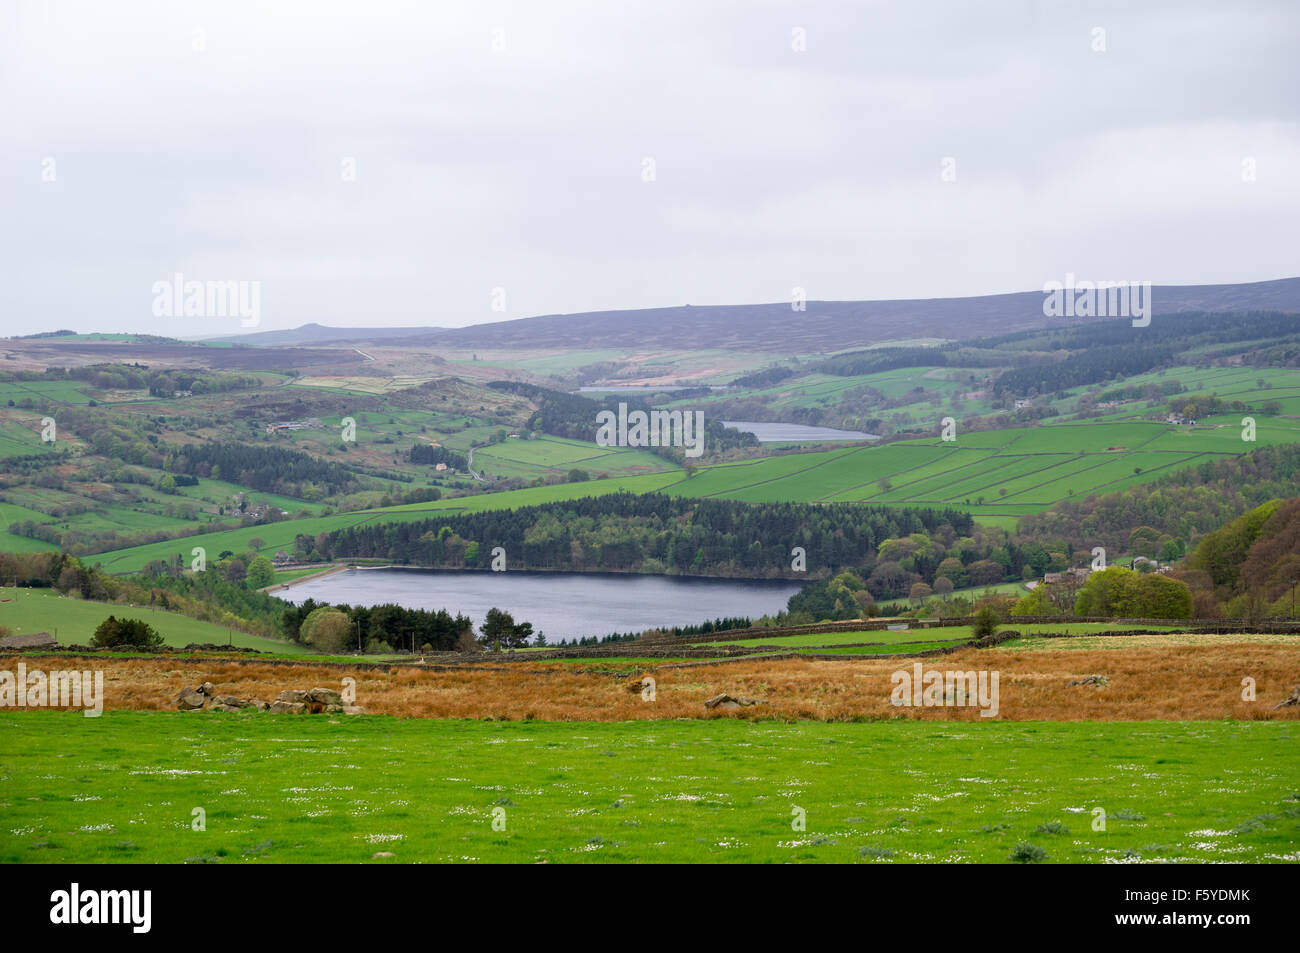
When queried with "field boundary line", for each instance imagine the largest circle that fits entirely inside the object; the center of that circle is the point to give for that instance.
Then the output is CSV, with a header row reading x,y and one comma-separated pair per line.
x,y
905,470
1102,486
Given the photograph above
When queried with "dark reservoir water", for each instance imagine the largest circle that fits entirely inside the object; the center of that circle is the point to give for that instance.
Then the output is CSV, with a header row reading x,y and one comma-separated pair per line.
x,y
563,605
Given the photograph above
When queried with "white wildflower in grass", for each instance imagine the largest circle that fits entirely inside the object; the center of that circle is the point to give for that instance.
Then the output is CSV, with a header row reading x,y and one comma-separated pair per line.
x,y
96,827
382,838
173,772
86,797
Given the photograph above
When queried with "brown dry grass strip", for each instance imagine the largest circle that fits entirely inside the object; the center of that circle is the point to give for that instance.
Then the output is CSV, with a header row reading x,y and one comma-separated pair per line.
x,y
1172,682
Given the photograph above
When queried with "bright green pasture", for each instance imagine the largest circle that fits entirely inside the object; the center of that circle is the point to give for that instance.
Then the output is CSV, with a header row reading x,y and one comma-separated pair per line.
x,y
895,649
125,787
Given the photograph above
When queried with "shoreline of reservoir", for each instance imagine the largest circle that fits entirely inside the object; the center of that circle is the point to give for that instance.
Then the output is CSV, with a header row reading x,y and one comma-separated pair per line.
x,y
561,603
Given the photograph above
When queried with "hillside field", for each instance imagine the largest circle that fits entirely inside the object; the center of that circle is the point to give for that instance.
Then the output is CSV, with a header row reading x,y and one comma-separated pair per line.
x,y
281,535
1005,473
74,621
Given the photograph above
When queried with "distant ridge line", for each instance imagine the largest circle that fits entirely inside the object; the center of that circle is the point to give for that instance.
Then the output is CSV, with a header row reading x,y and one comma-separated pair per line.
x,y
776,327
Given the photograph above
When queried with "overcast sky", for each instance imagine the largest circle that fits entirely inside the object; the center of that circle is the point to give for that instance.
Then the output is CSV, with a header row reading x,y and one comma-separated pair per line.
x,y
503,145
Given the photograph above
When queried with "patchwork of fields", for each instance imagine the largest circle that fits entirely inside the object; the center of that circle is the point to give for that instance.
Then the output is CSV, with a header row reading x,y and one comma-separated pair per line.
x,y
1006,473
952,390
998,476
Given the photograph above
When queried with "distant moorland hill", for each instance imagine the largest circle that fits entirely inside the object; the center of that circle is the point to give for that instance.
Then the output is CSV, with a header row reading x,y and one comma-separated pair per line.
x,y
823,326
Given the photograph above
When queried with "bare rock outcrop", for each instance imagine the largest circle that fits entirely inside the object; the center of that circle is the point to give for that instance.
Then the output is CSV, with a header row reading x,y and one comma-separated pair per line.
x,y
292,701
725,702
1291,701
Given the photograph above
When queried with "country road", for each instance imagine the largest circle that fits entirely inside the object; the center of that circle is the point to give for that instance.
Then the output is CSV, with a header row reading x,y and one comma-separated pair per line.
x,y
469,465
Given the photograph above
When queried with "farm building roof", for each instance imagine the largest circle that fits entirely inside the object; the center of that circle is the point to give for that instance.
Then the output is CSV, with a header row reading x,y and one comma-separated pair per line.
x,y
32,640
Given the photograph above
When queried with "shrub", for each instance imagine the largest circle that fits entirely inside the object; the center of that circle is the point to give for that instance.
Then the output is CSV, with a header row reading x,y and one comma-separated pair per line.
x,y
114,632
1028,854
327,630
986,623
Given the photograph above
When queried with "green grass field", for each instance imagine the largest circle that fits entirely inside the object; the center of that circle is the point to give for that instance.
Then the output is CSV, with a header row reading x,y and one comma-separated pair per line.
x,y
897,648
74,621
125,787
11,513
941,635
22,439
528,458
846,638
69,392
